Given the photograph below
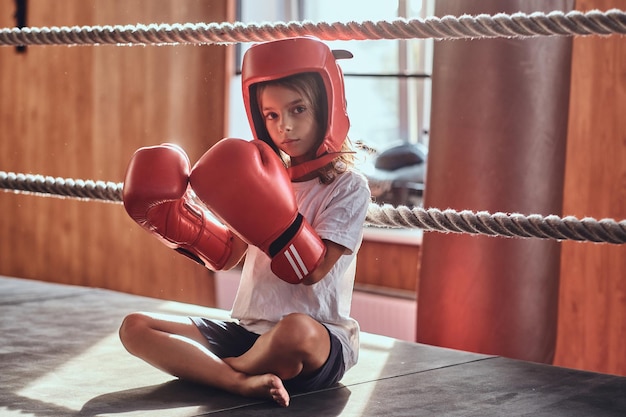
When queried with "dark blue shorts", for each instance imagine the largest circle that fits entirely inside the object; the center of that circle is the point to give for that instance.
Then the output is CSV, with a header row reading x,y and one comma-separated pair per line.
x,y
229,339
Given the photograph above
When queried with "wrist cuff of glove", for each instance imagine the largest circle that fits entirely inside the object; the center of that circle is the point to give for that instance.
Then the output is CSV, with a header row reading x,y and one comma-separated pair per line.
x,y
297,252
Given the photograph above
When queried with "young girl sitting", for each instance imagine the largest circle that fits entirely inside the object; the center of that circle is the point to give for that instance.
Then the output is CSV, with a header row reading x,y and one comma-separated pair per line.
x,y
291,202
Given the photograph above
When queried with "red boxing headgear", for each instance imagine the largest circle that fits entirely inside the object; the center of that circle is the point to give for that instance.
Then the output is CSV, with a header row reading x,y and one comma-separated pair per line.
x,y
278,59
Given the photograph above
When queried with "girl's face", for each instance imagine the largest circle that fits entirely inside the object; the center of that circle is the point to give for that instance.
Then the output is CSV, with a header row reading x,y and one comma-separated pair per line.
x,y
290,121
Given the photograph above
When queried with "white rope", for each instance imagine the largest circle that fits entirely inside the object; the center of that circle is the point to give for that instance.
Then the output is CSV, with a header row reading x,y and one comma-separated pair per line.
x,y
498,224
516,25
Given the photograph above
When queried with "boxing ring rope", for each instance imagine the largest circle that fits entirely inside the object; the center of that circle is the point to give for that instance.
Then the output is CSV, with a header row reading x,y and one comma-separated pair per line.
x,y
516,25
432,219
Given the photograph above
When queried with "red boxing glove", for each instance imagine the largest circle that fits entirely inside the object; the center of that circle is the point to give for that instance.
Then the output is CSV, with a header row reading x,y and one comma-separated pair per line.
x,y
155,196
245,184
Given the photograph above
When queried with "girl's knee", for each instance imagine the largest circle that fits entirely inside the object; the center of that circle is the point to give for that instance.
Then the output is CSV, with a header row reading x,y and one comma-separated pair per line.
x,y
131,328
297,319
305,339
301,329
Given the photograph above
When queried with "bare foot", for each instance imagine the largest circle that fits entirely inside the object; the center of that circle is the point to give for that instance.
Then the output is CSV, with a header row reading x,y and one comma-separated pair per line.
x,y
266,386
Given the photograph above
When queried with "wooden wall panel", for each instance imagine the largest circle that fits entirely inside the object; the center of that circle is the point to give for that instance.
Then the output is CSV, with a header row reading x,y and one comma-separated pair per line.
x,y
388,267
80,112
592,313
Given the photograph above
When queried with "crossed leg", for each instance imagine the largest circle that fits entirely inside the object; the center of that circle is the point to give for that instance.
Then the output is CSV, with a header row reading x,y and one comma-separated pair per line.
x,y
297,344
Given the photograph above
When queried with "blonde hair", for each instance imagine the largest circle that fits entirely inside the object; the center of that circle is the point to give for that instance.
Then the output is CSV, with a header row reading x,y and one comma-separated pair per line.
x,y
311,86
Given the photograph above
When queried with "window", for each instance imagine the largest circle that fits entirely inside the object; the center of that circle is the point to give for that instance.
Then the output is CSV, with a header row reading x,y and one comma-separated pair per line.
x,y
387,81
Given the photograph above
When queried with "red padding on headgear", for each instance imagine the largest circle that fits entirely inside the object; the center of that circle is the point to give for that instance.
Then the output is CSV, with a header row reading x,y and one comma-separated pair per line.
x,y
278,59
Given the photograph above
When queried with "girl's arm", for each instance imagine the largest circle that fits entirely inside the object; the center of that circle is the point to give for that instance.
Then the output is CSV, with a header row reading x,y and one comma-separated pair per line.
x,y
334,251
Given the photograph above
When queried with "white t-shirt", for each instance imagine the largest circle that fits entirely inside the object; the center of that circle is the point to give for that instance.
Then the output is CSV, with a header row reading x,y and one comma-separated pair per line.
x,y
337,212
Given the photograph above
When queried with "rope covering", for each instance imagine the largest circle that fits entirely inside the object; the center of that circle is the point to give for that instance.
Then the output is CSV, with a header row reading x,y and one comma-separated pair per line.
x,y
432,219
61,187
516,25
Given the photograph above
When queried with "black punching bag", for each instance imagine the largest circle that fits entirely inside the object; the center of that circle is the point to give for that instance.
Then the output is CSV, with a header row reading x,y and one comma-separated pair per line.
x,y
497,143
